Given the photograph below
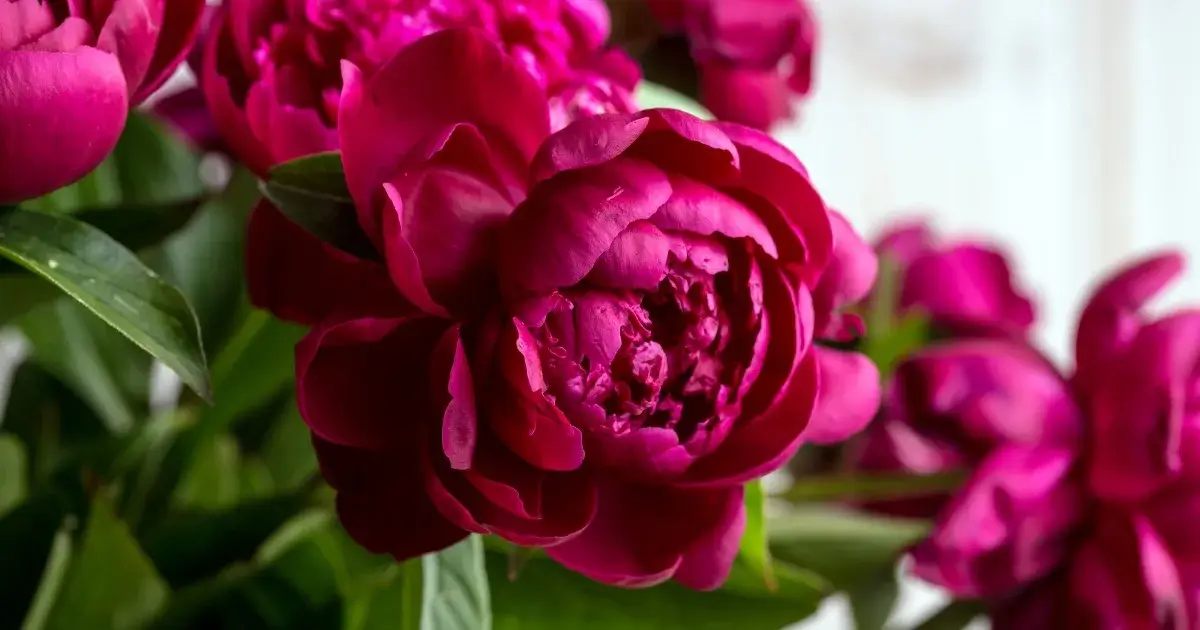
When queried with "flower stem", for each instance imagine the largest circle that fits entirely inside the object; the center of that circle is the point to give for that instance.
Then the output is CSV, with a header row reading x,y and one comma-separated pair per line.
x,y
869,486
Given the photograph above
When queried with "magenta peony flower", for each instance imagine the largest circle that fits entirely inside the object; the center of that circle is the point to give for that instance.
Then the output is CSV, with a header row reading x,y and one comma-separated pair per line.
x,y
753,57
272,74
1079,509
967,288
70,71
586,341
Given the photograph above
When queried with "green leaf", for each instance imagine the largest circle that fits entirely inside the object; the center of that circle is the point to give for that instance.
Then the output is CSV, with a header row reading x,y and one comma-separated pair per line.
x,y
545,596
288,452
205,260
211,483
21,292
872,601
842,546
873,486
27,535
148,167
14,469
110,583
190,545
52,579
112,283
254,367
954,616
454,588
101,365
311,191
753,549
651,96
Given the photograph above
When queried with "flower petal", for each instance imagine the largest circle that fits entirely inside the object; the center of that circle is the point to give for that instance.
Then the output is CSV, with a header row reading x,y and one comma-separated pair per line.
x,y
556,236
366,382
228,115
130,32
62,113
298,278
464,78
758,98
967,284
1110,319
848,397
180,27
676,530
382,503
701,209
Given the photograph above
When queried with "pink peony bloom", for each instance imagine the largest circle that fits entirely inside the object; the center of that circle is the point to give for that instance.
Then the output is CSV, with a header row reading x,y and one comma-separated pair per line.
x,y
586,341
966,288
753,56
272,71
70,71
1080,506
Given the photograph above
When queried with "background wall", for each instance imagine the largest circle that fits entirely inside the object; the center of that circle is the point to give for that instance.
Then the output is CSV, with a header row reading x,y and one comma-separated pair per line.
x,y
1069,130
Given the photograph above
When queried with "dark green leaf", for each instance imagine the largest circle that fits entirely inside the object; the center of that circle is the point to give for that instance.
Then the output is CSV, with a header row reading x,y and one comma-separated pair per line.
x,y
100,364
873,599
14,473
110,583
454,588
52,579
22,291
111,282
26,536
753,550
873,486
548,597
194,544
211,483
312,192
288,452
256,365
148,167
205,260
842,546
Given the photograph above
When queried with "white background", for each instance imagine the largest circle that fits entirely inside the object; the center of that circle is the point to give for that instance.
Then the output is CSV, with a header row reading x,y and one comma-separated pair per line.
x,y
1068,129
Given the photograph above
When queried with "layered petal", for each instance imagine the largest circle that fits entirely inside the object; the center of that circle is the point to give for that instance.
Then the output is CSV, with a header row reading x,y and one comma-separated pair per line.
x,y
847,398
62,113
382,120
1011,524
966,284
846,280
181,22
691,535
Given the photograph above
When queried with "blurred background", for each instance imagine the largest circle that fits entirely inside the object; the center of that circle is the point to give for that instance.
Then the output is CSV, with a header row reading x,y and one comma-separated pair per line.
x,y
1067,131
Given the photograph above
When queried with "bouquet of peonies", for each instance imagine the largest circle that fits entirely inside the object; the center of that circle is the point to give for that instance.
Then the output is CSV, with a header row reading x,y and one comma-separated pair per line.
x,y
407,315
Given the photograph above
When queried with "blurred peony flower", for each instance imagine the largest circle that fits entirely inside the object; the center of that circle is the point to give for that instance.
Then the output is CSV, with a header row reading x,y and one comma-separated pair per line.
x,y
1080,505
587,341
272,71
967,288
70,71
753,57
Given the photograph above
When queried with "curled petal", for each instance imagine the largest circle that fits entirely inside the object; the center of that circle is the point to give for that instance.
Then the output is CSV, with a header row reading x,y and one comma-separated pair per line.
x,y
464,78
848,278
967,284
365,382
557,235
62,113
227,114
688,534
1011,524
130,33
181,22
288,131
1110,319
701,209
848,396
637,259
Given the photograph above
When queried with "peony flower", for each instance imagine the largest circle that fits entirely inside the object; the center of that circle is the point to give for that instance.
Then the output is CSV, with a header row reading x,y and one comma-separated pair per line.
x,y
1079,509
753,57
272,74
966,288
586,341
70,71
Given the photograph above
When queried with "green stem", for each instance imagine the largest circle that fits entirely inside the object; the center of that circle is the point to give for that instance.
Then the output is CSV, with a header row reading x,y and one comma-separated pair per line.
x,y
870,486
954,616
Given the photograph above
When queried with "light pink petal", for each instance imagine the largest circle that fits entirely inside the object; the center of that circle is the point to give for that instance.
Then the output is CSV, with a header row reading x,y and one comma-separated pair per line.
x,y
676,529
62,113
464,78
848,397
364,382
1110,320
556,236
